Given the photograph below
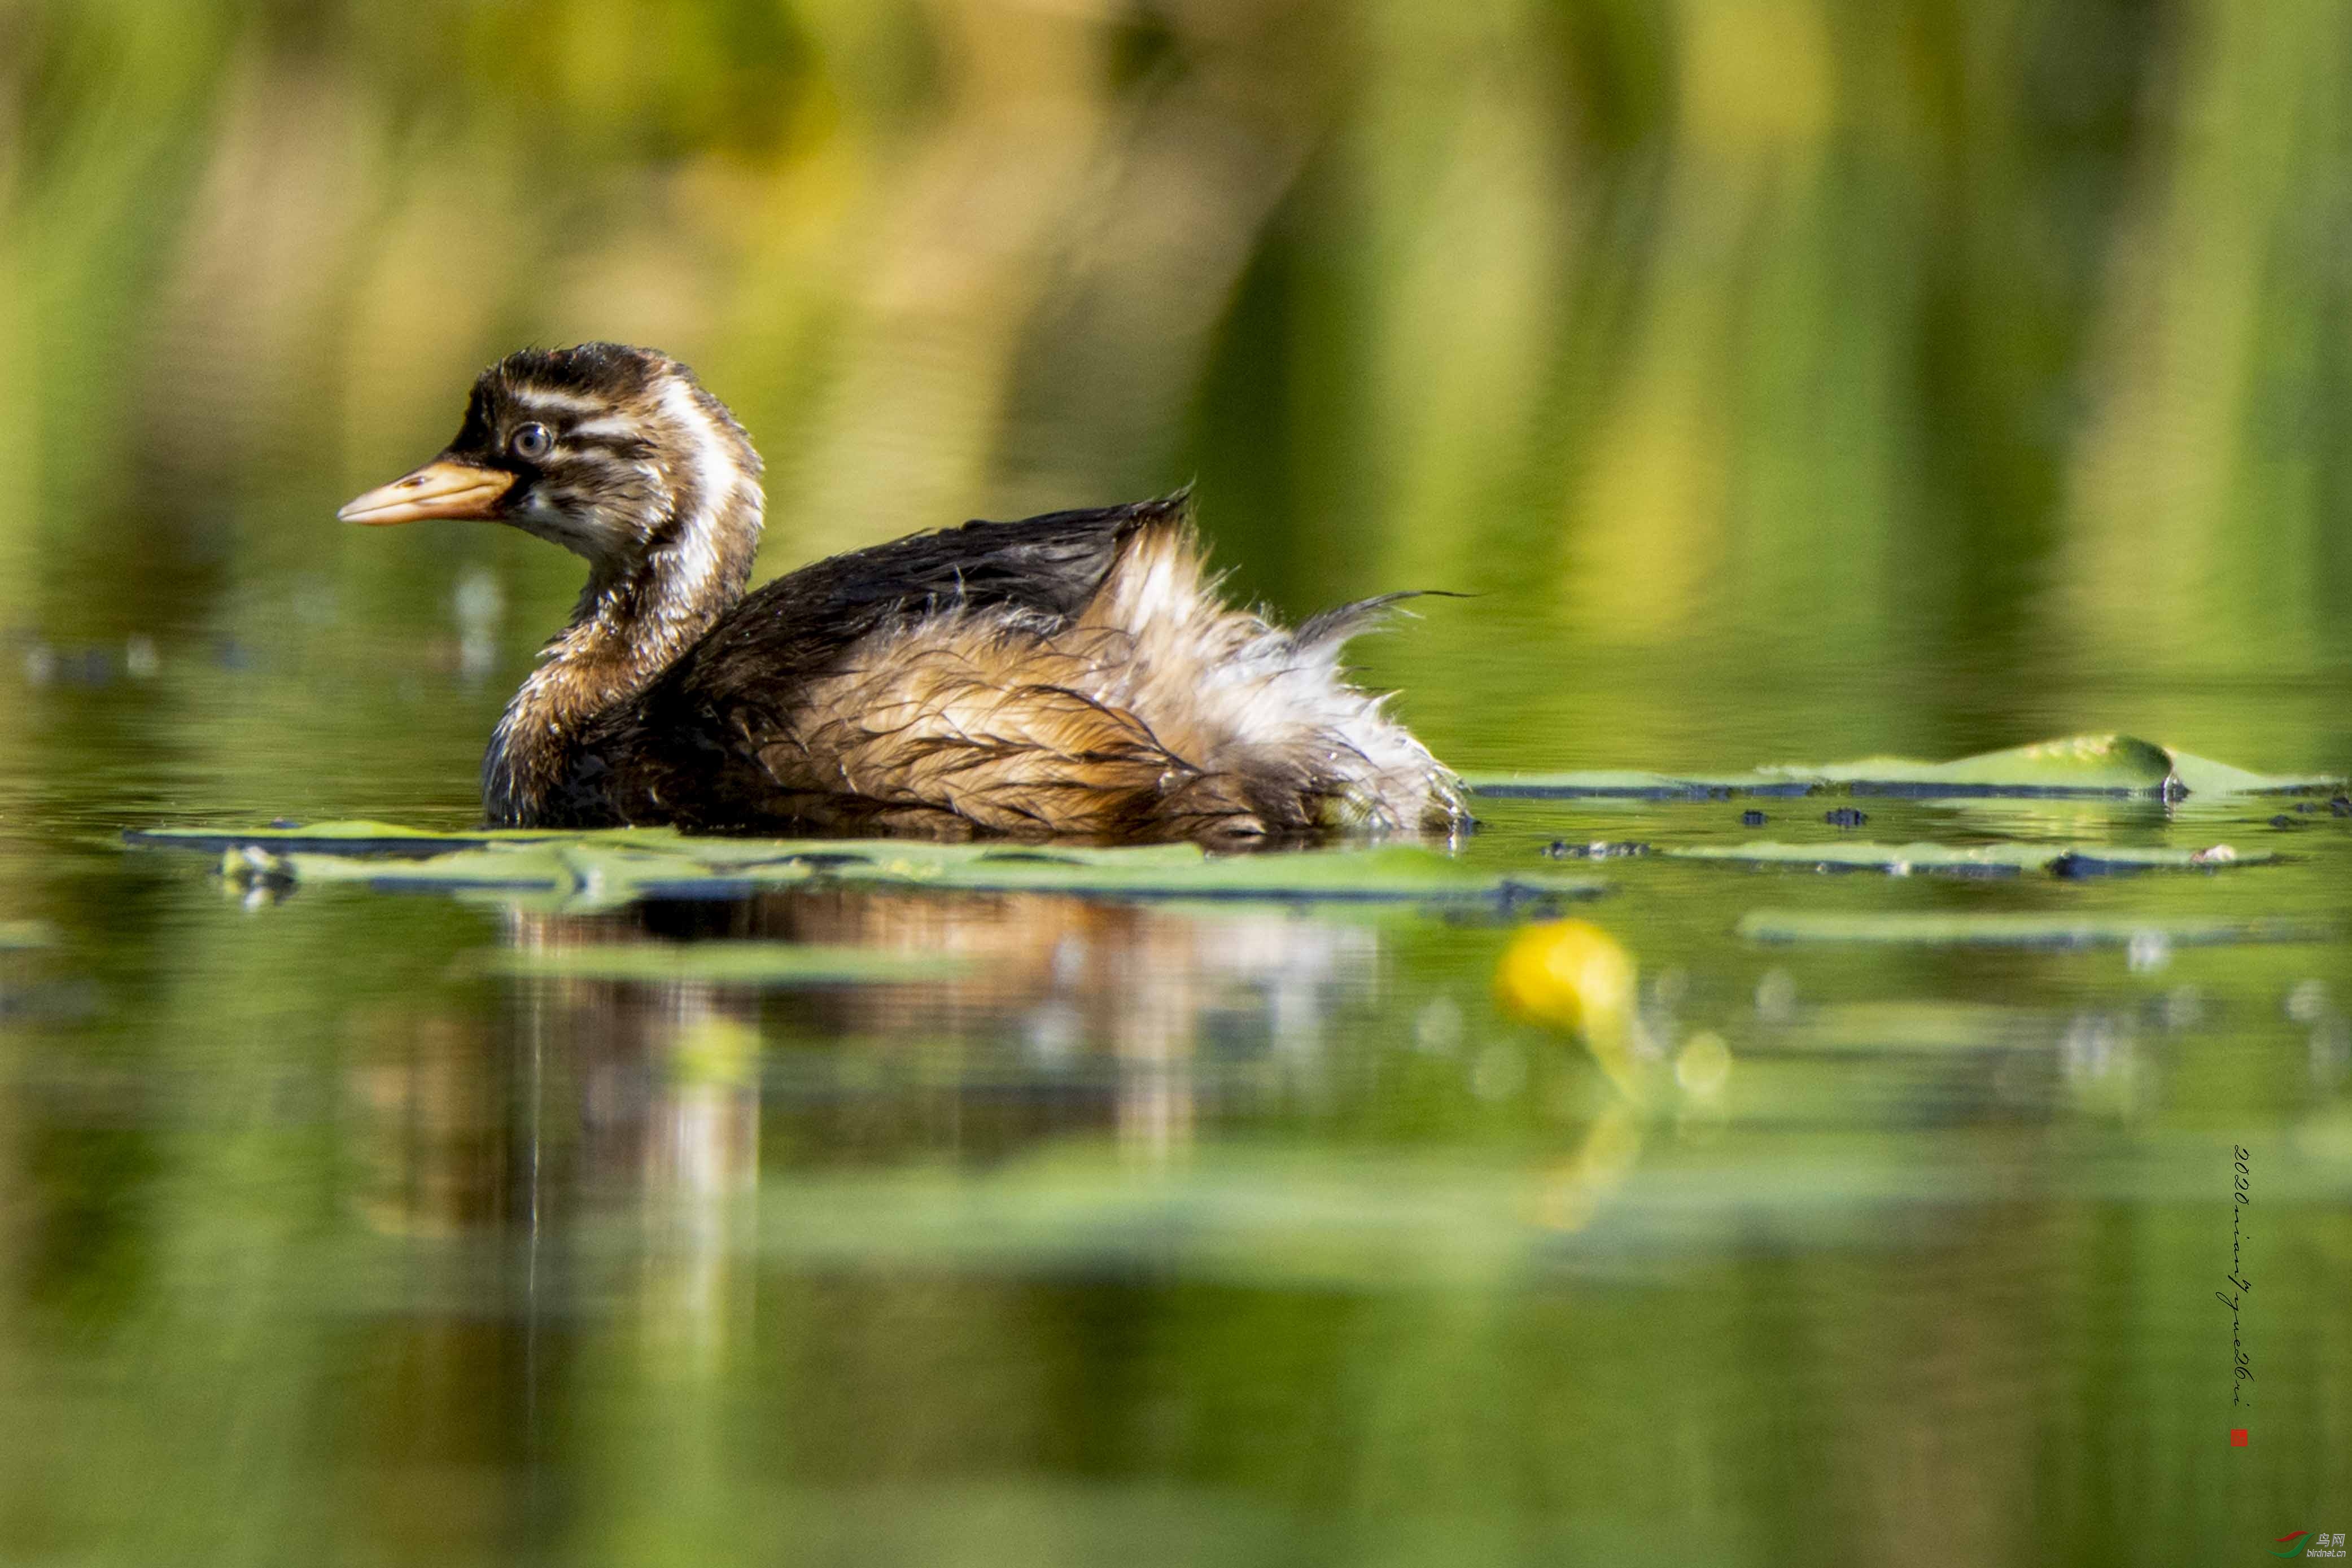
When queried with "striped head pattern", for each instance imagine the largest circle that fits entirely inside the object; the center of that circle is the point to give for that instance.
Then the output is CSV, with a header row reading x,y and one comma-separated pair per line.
x,y
615,452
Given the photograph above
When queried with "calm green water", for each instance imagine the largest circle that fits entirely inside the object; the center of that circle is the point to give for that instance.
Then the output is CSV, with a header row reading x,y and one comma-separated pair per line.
x,y
1228,1234
1788,380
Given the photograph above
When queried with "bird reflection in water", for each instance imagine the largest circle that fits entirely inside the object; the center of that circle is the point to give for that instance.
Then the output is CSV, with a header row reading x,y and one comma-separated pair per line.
x,y
593,1151
1067,1019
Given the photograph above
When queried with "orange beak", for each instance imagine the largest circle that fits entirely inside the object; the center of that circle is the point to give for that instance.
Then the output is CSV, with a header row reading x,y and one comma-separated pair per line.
x,y
442,489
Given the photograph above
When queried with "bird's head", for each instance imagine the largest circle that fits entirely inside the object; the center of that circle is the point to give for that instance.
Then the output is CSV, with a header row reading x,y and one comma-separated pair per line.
x,y
609,451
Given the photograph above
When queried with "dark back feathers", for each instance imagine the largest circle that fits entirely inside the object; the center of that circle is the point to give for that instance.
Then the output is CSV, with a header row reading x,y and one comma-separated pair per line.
x,y
798,626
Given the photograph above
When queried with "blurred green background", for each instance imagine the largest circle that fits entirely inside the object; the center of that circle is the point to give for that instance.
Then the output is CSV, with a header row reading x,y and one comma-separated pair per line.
x,y
1787,379
1939,363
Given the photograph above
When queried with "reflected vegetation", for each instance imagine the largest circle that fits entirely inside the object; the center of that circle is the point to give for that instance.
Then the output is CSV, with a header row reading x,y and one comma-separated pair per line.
x,y
1067,1018
1231,1229
1785,378
1262,1224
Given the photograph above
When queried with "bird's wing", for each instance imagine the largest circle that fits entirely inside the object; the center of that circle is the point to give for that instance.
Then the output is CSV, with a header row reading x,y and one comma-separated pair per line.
x,y
797,625
707,728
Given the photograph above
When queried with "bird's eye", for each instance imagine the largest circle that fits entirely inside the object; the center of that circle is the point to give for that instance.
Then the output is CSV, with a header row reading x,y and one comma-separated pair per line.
x,y
530,443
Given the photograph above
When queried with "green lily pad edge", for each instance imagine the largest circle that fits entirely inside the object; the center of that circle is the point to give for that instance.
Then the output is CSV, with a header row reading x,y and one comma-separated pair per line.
x,y
1972,860
610,868
1936,929
2114,766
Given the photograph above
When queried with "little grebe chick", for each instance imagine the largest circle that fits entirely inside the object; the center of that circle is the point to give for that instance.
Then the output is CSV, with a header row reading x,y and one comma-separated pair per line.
x,y
1073,674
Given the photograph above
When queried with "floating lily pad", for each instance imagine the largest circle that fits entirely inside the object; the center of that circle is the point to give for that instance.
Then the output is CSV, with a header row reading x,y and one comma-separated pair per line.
x,y
603,870
2079,764
1385,875
2091,765
2005,930
377,840
1975,860
574,878
1617,785
760,964
2202,775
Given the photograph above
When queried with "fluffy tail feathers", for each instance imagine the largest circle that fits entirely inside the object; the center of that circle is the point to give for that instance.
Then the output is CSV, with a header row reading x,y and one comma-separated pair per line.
x,y
1273,736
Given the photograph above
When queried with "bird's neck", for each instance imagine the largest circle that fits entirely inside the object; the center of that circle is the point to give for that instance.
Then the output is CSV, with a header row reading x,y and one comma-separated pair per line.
x,y
634,621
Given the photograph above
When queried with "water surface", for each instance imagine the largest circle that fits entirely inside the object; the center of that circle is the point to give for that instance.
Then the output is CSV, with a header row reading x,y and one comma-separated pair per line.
x,y
1786,381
